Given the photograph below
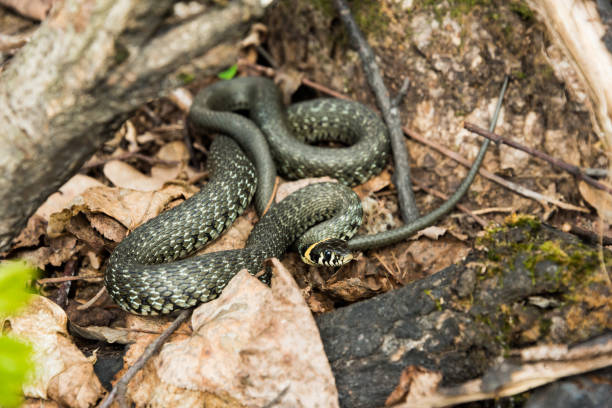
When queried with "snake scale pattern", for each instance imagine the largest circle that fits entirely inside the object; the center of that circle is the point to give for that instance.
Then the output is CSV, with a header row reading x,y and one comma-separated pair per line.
x,y
148,273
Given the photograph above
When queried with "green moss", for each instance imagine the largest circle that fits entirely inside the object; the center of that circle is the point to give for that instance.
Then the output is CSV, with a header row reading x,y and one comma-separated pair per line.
x,y
121,53
545,325
435,299
186,78
522,10
367,14
572,275
523,220
519,75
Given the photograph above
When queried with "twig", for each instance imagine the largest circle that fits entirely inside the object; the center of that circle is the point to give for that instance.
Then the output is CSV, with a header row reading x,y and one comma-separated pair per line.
x,y
494,210
277,399
93,300
387,269
129,155
64,287
487,174
266,55
590,236
120,387
61,279
570,168
443,196
595,172
397,101
401,175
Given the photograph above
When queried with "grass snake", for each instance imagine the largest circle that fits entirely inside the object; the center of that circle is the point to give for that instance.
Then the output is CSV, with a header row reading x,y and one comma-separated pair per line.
x,y
147,273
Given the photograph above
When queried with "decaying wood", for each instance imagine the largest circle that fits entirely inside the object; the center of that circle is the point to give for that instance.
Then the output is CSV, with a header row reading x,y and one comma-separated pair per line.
x,y
530,285
576,26
88,65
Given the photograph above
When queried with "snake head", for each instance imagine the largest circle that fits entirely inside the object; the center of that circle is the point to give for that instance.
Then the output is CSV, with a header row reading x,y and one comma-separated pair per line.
x,y
329,252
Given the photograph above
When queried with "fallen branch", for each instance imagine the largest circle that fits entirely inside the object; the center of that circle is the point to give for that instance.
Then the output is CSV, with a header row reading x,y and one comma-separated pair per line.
x,y
390,113
120,388
569,168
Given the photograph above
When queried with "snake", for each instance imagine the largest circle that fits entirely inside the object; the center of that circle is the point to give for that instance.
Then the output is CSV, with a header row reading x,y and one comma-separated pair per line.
x,y
150,273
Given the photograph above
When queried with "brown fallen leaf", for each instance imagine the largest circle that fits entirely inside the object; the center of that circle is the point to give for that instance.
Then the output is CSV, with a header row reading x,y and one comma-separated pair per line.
x,y
60,250
289,187
374,184
124,175
68,192
252,344
31,234
132,208
62,373
107,226
433,256
599,199
36,9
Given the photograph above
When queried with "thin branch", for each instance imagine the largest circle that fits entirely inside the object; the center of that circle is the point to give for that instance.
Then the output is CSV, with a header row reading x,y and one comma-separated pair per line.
x,y
517,188
93,300
61,279
120,387
570,168
129,155
401,175
397,101
443,196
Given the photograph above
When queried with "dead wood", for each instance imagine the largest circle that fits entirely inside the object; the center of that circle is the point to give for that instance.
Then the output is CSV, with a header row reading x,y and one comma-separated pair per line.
x,y
529,285
88,65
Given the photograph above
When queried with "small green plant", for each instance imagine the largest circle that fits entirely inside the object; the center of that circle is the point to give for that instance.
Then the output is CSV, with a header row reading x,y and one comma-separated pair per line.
x,y
15,355
228,73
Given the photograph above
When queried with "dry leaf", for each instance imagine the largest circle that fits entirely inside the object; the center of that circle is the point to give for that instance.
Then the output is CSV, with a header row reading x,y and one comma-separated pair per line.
x,y
252,344
63,198
131,208
62,372
597,198
433,256
374,184
107,226
286,189
432,232
30,235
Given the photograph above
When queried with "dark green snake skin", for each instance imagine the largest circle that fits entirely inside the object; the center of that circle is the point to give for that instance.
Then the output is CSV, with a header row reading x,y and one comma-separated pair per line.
x,y
144,276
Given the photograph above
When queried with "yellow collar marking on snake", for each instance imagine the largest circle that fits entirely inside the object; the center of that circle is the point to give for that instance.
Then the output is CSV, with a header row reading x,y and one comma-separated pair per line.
x,y
306,257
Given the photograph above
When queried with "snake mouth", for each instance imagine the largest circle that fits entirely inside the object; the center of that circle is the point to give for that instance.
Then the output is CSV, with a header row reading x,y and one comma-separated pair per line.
x,y
328,252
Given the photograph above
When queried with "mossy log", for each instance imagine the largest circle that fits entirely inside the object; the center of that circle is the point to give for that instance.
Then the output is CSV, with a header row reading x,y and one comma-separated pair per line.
x,y
527,284
84,70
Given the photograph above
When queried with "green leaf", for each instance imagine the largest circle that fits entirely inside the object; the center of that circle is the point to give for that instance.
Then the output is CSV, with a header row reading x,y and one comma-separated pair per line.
x,y
14,277
229,73
15,360
15,364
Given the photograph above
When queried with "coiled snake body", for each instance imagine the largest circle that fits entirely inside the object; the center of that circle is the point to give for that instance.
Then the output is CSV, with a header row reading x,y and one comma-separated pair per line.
x,y
144,276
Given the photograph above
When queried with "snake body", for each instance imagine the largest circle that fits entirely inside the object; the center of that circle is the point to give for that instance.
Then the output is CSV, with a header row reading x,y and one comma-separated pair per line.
x,y
146,273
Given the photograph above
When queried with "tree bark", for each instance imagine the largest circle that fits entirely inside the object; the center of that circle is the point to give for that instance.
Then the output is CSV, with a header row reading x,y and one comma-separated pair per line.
x,y
89,64
531,285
